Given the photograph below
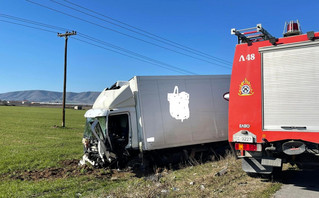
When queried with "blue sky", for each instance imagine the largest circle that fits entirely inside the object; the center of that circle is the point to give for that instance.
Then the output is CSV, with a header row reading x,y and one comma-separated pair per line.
x,y
31,59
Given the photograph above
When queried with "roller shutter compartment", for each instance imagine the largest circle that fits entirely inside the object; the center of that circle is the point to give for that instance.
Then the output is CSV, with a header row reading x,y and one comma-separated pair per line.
x,y
290,76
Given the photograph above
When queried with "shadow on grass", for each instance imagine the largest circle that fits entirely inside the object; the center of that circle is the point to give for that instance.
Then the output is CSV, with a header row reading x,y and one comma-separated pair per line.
x,y
162,161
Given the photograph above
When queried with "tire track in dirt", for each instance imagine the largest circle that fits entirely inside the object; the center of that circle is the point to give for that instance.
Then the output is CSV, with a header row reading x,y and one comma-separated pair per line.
x,y
69,168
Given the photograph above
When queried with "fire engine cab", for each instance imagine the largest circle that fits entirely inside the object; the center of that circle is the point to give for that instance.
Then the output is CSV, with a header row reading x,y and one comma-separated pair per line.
x,y
274,98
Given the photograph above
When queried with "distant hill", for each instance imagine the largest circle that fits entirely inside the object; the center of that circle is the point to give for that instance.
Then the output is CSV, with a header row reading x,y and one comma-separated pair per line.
x,y
50,96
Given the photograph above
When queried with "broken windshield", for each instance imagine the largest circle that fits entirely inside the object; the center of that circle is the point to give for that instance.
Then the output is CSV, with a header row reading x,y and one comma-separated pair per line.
x,y
101,131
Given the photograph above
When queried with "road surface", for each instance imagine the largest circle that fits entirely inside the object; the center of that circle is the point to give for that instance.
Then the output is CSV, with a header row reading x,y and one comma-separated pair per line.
x,y
299,184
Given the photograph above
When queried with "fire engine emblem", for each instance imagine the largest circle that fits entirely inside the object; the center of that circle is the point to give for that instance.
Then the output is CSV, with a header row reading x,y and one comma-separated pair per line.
x,y
245,88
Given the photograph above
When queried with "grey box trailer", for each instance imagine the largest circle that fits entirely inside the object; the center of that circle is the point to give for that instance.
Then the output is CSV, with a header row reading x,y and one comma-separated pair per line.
x,y
156,112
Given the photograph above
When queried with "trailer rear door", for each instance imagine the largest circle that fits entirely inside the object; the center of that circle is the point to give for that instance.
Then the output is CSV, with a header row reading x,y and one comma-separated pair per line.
x,y
290,76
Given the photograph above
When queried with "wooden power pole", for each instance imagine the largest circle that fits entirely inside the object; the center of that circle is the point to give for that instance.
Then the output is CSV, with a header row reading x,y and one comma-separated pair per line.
x,y
66,35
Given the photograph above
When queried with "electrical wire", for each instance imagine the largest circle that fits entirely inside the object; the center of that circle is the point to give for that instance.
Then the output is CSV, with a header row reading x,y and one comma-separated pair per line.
x,y
170,67
104,27
33,22
129,53
27,26
142,32
133,53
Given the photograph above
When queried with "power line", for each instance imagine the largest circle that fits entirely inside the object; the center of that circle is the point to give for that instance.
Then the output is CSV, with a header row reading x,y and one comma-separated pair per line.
x,y
151,43
171,68
142,32
133,54
27,26
33,22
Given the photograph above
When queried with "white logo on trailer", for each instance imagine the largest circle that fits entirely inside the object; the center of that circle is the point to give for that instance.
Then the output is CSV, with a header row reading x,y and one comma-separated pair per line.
x,y
178,104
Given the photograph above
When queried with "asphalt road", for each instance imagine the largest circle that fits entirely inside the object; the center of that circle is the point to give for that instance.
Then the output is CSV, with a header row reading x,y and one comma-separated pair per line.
x,y
299,184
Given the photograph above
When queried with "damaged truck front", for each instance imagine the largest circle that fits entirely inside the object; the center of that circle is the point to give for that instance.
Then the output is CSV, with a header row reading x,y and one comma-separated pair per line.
x,y
135,118
107,136
96,141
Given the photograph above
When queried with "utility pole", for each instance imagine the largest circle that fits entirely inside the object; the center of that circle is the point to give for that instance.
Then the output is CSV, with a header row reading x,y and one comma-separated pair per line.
x,y
66,35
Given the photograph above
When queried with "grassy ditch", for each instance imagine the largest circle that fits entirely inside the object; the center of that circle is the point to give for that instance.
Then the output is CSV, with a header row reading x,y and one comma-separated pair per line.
x,y
39,159
196,181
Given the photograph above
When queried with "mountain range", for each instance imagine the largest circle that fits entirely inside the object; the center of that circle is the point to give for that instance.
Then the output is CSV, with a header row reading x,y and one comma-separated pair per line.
x,y
50,96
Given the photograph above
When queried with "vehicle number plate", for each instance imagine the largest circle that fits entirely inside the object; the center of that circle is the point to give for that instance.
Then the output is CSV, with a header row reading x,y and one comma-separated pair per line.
x,y
248,139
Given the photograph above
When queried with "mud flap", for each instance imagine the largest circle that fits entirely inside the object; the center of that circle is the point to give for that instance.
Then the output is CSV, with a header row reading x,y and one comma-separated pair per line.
x,y
252,165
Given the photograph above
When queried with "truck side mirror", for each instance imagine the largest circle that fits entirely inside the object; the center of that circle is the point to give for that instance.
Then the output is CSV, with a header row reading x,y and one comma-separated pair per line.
x,y
226,96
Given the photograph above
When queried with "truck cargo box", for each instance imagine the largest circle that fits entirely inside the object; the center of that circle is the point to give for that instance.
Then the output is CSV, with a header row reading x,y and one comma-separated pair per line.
x,y
181,110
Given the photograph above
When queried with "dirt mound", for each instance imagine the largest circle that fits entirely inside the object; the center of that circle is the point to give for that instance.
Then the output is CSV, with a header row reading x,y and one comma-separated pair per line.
x,y
70,168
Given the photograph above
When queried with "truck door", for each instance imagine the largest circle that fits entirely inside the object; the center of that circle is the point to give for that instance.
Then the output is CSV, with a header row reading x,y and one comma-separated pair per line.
x,y
119,130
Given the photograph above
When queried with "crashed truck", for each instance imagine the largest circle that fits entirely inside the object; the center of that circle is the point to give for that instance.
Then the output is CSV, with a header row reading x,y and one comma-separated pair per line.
x,y
274,99
152,115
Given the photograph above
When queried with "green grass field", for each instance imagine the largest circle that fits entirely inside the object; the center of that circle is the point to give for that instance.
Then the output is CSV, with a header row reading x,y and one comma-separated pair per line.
x,y
30,141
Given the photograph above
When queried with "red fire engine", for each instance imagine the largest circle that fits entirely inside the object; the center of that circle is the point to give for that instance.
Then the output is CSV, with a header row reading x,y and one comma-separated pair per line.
x,y
274,98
